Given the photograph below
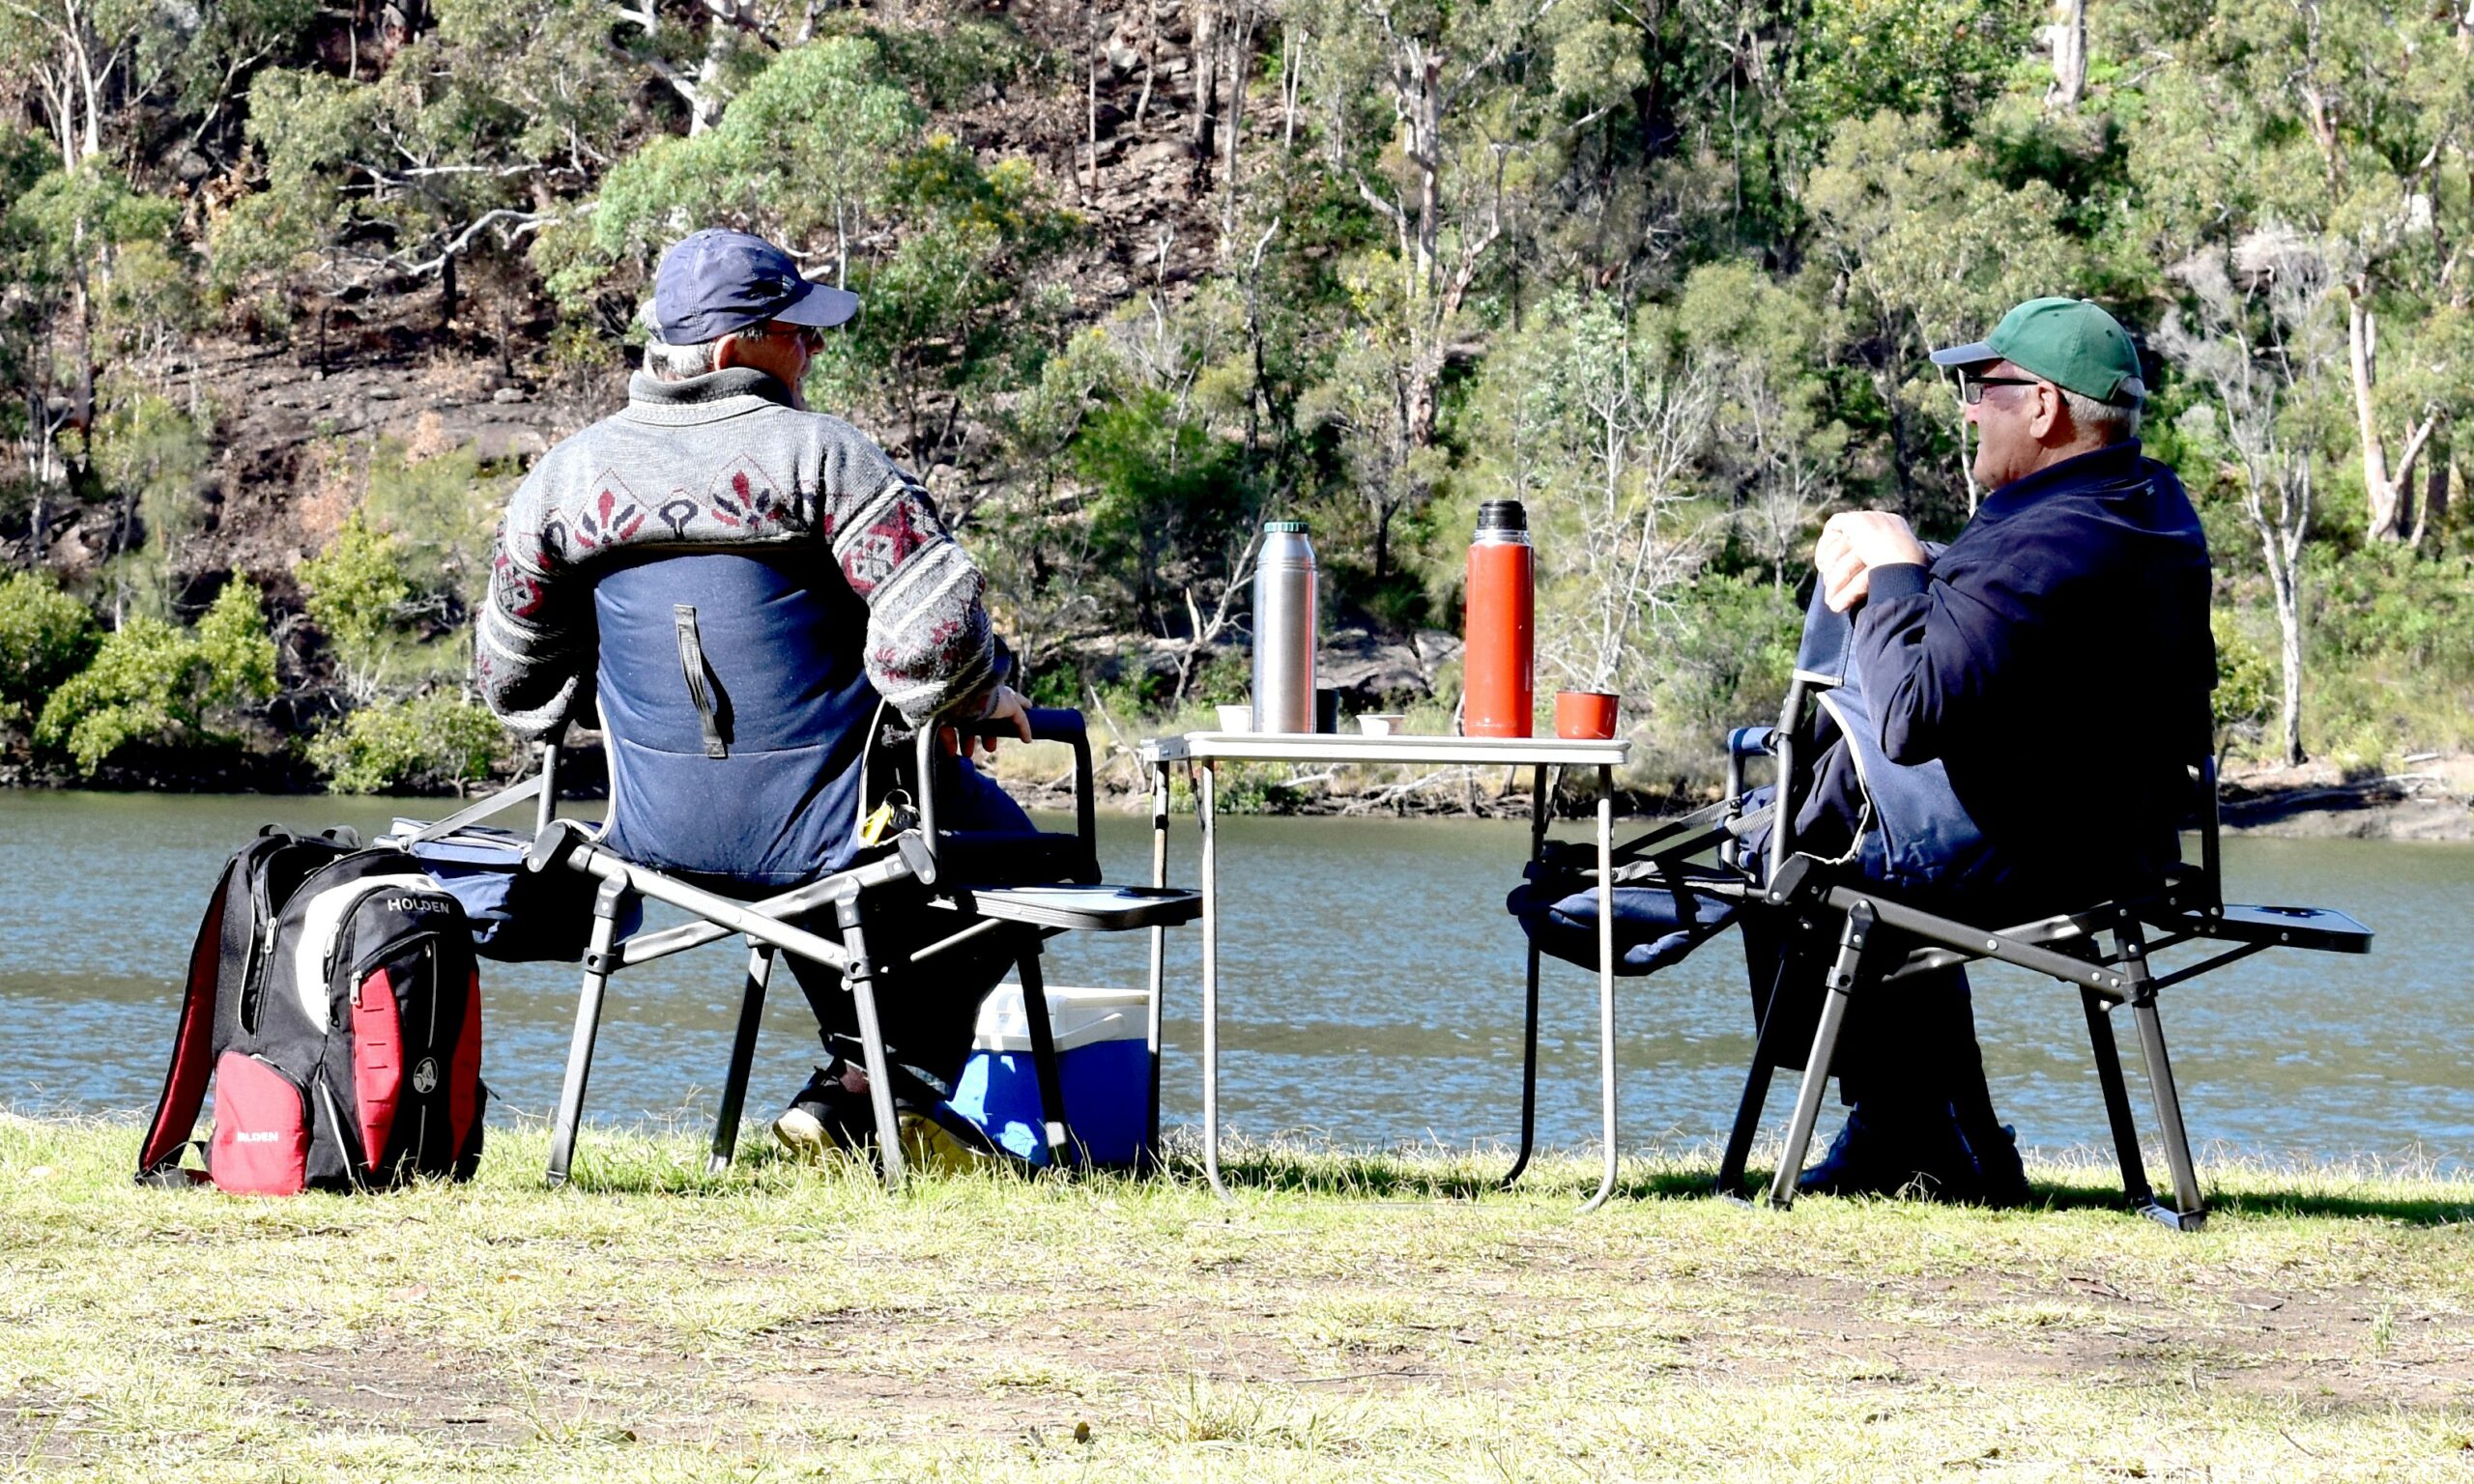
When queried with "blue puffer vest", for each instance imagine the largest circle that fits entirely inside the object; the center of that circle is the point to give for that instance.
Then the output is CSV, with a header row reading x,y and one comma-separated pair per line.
x,y
737,712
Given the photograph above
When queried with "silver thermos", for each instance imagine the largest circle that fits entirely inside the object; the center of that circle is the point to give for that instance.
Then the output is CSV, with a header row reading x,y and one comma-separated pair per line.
x,y
1284,629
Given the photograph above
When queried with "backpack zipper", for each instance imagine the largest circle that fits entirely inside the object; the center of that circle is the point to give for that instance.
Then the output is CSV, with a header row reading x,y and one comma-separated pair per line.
x,y
346,1137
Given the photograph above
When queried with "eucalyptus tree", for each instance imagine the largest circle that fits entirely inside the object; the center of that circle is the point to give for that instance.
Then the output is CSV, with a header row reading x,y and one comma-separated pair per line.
x,y
76,55
2351,124
1774,445
1442,120
2258,341
1601,421
1915,245
478,135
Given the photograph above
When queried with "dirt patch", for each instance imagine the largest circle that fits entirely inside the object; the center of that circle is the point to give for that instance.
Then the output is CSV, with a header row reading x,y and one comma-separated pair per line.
x,y
951,1372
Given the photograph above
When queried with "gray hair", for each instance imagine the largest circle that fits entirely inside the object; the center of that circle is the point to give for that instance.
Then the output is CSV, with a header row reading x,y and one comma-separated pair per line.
x,y
2113,422
666,362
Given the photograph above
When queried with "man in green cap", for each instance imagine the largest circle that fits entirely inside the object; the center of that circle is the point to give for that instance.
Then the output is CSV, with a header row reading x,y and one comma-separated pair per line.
x,y
2055,661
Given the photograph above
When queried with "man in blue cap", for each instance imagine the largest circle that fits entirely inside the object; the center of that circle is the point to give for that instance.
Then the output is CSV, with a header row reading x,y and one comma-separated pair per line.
x,y
2056,660
740,688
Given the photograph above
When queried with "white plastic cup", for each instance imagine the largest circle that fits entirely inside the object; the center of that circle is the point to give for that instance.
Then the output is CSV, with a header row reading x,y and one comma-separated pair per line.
x,y
1236,718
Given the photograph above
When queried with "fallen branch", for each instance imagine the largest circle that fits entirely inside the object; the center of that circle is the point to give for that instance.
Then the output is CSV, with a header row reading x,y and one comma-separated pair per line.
x,y
1308,781
1395,793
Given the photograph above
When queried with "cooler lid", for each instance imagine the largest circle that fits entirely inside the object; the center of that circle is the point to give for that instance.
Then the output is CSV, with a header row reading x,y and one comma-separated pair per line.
x,y
1079,1018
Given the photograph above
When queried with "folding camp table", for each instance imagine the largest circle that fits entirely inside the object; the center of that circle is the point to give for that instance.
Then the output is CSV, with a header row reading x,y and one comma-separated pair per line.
x,y
1205,751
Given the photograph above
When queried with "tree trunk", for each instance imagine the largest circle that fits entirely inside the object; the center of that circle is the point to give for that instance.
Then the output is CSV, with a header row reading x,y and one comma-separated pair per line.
x,y
723,17
2069,37
2386,505
2434,510
1091,95
2288,595
1206,71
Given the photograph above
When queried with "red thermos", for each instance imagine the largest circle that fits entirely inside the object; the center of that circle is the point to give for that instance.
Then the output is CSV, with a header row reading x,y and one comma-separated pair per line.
x,y
1499,662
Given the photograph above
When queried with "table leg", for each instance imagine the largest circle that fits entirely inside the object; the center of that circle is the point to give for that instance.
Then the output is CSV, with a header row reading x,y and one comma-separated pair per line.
x,y
1150,1158
1605,981
1206,805
1529,1036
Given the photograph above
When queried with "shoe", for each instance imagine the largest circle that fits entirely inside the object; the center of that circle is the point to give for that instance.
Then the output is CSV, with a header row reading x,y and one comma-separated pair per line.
x,y
2001,1178
1888,1155
824,1117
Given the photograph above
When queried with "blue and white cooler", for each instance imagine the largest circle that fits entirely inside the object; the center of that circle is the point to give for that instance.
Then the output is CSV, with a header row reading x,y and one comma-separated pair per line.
x,y
1103,1066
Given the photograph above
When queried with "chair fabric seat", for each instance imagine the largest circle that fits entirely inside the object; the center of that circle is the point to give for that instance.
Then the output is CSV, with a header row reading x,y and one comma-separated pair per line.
x,y
1656,927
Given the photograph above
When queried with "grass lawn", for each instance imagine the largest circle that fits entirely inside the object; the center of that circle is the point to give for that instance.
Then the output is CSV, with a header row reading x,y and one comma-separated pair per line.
x,y
1348,1318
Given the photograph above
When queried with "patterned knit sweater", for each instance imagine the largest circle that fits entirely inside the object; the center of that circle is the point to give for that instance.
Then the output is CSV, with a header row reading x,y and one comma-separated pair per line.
x,y
724,460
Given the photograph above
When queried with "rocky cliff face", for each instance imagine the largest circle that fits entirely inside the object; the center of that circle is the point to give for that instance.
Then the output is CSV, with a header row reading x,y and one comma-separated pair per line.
x,y
1125,123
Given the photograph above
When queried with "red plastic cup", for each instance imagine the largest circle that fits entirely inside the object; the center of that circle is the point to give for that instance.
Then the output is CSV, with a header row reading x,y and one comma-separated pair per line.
x,y
1584,716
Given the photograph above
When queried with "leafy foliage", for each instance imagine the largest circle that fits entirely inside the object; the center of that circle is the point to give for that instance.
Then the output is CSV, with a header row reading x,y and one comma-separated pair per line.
x,y
151,681
1670,273
356,588
45,636
424,741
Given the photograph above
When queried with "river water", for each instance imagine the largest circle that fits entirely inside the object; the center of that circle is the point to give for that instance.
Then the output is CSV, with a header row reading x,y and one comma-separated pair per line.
x,y
1371,994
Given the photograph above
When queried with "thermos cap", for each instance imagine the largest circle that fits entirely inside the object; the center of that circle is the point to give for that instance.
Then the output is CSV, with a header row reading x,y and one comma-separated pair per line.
x,y
1503,515
1284,528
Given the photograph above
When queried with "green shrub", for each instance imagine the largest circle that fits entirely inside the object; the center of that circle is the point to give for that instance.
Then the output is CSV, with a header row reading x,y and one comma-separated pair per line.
x,y
2389,667
354,589
2246,681
424,741
1058,682
151,681
239,652
45,636
1729,649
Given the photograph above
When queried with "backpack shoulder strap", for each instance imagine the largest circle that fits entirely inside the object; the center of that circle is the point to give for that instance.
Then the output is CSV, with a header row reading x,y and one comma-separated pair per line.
x,y
159,1158
193,1045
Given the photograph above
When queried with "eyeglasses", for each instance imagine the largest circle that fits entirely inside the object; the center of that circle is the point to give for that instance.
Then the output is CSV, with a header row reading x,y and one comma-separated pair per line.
x,y
1972,388
811,339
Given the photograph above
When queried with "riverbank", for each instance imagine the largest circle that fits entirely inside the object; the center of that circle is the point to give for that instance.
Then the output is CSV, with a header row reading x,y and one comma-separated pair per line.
x,y
2428,797
1367,1320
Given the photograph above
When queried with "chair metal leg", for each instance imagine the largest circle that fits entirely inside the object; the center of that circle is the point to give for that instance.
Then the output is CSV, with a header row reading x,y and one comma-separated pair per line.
x,y
858,976
751,1015
2108,1076
1529,1025
1054,1126
1206,807
1833,1015
606,906
2188,1210
1147,1159
1739,1152
1606,1076
1756,1093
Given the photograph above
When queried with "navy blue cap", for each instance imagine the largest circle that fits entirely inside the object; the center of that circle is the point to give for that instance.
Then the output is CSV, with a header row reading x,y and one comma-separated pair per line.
x,y
713,283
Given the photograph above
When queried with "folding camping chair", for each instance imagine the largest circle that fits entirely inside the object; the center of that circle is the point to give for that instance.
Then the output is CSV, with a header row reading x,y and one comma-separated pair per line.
x,y
1668,903
1021,890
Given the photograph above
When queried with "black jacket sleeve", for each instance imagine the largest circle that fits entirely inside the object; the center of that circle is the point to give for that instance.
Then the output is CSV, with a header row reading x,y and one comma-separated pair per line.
x,y
1929,654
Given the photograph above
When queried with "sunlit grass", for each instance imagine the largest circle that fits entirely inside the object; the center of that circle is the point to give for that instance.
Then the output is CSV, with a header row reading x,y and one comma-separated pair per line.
x,y
1350,1315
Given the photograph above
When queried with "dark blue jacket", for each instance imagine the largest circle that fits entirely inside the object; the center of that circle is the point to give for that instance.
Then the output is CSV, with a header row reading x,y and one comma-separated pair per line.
x,y
2055,659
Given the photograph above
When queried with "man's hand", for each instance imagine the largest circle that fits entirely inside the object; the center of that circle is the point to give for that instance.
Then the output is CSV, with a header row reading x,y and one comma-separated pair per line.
x,y
1005,706
1851,545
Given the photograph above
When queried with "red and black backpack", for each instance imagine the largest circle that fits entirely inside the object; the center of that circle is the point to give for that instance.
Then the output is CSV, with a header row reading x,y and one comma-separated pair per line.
x,y
333,1002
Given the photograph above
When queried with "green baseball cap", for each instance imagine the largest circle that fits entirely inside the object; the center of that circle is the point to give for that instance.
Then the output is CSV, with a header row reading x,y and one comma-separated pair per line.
x,y
2069,342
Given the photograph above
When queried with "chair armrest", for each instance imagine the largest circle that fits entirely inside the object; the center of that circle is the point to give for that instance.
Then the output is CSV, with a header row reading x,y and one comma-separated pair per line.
x,y
1048,724
1743,743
